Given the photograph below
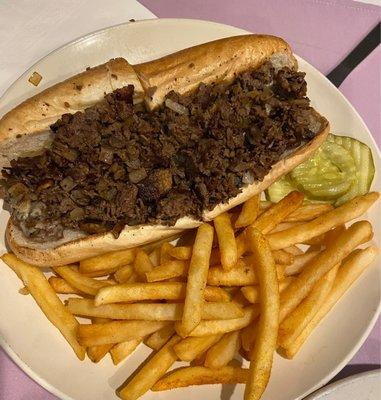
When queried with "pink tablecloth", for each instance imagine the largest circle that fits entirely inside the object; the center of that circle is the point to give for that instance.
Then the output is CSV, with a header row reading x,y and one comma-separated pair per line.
x,y
322,32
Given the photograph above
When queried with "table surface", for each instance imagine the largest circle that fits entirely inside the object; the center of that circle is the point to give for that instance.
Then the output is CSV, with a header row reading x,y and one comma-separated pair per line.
x,y
321,31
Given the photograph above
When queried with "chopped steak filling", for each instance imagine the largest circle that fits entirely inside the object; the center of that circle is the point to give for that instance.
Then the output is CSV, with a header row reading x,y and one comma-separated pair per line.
x,y
116,163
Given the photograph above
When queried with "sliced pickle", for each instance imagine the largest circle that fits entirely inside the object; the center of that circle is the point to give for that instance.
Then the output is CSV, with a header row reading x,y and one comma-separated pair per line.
x,y
279,189
340,169
365,170
328,175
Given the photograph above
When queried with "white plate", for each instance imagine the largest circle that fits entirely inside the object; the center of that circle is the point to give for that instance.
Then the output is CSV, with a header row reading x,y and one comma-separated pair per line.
x,y
365,386
40,350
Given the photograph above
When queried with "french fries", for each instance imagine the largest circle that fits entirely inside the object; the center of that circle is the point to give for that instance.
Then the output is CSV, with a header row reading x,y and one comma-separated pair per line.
x,y
213,327
293,325
251,293
96,353
80,282
191,348
165,252
108,261
181,252
47,300
223,351
150,372
121,351
170,269
150,311
358,233
197,275
268,220
242,274
267,332
322,224
158,339
142,264
188,376
211,297
131,292
249,212
226,241
123,274
300,261
349,271
116,331
59,285
307,212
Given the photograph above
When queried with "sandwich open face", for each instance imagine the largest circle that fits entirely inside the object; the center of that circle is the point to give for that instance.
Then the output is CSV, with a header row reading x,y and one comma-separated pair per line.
x,y
124,155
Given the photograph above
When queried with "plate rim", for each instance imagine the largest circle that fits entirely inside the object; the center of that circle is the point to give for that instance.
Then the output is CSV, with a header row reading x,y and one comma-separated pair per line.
x,y
342,382
58,393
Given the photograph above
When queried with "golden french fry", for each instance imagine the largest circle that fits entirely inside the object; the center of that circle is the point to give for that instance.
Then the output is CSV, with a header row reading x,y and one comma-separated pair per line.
x,y
59,285
120,351
285,225
267,331
243,274
142,264
358,233
108,261
158,339
131,292
333,234
149,372
349,271
189,376
251,293
181,252
96,353
249,212
193,347
170,269
300,262
248,336
241,244
226,241
197,275
216,294
165,252
100,273
47,300
322,224
292,326
207,328
223,351
154,256
123,274
150,311
116,331
271,217
282,257
83,283
268,220
309,211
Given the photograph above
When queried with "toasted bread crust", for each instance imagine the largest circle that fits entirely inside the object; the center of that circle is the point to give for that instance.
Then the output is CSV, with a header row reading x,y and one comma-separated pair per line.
x,y
211,62
216,61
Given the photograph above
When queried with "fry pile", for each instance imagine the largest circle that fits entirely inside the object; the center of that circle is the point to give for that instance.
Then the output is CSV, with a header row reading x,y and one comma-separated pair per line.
x,y
241,285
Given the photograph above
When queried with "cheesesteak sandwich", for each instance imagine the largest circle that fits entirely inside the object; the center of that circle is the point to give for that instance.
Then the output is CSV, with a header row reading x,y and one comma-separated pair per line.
x,y
124,155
